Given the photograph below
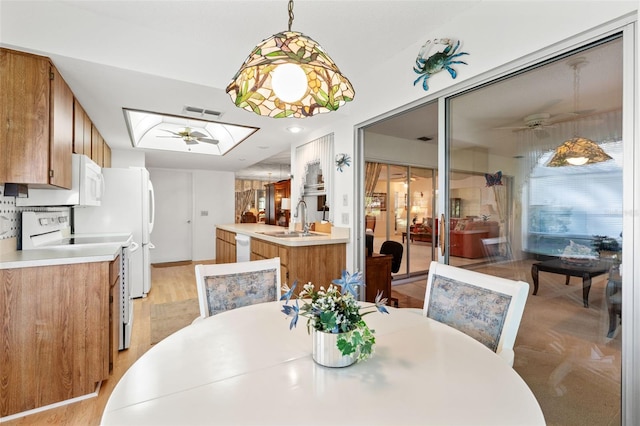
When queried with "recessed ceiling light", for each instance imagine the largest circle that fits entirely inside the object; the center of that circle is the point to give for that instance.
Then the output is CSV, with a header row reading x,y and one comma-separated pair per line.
x,y
294,129
263,147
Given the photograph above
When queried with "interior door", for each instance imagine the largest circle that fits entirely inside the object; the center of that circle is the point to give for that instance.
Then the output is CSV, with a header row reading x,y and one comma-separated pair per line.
x,y
172,231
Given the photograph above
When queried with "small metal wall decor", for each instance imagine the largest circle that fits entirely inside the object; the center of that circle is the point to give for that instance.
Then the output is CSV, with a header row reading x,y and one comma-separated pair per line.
x,y
342,160
426,66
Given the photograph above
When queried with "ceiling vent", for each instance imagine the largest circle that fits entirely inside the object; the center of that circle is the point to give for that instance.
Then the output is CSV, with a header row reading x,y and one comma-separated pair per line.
x,y
425,138
202,112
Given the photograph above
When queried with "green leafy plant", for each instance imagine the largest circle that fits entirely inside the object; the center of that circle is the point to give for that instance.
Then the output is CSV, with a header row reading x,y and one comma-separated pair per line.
x,y
334,310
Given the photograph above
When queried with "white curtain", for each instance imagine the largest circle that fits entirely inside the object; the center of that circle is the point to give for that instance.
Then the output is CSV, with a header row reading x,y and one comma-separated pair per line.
x,y
317,151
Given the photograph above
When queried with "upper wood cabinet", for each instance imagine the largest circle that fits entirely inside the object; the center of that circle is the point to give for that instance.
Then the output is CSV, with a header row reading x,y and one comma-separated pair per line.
x,y
36,112
37,115
106,156
81,130
97,146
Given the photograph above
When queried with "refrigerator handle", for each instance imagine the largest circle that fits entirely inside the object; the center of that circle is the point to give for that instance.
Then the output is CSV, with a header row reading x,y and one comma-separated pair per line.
x,y
152,207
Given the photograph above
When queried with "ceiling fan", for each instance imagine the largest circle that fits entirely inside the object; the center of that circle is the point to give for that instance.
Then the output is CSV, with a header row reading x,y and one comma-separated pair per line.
x,y
540,121
190,137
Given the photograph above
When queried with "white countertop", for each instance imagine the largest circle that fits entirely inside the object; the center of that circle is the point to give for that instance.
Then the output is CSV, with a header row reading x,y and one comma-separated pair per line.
x,y
59,256
62,255
255,230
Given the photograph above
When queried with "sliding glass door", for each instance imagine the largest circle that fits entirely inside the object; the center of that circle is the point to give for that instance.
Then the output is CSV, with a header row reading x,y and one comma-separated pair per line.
x,y
535,189
399,206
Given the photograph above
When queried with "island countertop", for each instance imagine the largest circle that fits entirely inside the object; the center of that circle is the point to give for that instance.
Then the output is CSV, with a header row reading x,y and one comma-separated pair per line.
x,y
257,230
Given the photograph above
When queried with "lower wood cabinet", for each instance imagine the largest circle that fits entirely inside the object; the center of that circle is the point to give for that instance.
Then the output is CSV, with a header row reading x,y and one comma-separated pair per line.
x,y
225,246
319,264
55,333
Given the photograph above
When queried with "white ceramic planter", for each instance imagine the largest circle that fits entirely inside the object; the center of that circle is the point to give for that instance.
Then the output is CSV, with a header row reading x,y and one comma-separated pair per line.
x,y
326,352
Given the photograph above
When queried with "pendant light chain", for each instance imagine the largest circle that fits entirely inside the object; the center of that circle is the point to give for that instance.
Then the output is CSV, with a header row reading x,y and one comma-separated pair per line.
x,y
290,14
576,94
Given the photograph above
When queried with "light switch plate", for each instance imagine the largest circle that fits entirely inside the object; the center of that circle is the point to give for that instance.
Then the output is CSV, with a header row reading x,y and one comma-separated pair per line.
x,y
345,218
345,200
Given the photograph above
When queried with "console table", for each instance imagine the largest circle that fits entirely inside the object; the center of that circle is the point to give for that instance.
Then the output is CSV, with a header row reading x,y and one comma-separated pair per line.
x,y
586,272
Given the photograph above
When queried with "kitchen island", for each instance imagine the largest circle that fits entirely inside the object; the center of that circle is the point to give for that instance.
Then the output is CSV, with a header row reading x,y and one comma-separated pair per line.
x,y
318,258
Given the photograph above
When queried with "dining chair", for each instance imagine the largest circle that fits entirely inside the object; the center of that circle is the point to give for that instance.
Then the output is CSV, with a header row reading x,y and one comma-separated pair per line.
x,y
485,307
226,286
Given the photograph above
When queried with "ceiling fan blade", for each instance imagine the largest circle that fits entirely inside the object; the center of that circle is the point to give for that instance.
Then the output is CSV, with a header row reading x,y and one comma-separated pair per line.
x,y
172,132
172,137
196,134
207,140
512,128
190,141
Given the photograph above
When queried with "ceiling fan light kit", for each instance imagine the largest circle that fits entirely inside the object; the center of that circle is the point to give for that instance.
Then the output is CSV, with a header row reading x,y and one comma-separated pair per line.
x,y
167,132
289,75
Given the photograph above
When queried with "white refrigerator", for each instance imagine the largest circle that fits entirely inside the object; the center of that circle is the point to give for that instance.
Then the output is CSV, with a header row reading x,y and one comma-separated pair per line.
x,y
127,206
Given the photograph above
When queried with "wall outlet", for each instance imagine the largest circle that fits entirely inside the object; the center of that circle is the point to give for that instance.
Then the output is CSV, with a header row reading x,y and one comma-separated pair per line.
x,y
345,200
345,218
204,212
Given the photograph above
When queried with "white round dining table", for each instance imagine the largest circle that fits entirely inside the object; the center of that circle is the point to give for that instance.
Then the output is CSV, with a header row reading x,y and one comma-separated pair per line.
x,y
245,367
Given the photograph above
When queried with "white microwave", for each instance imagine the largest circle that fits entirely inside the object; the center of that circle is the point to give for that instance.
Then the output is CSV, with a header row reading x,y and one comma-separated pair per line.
x,y
87,187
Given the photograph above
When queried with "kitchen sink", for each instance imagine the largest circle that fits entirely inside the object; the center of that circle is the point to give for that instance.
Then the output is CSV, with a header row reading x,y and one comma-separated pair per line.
x,y
295,234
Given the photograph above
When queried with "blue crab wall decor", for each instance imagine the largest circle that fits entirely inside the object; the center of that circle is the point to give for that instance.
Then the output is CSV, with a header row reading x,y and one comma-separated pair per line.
x,y
342,160
426,66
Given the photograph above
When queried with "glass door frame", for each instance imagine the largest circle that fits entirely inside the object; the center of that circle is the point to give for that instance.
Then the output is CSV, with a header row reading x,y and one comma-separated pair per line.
x,y
630,399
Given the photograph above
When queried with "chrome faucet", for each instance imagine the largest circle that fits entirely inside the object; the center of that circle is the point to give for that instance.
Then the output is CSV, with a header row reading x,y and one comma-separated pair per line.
x,y
305,224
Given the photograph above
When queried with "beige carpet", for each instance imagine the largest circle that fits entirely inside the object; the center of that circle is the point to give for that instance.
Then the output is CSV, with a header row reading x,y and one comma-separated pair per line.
x,y
167,318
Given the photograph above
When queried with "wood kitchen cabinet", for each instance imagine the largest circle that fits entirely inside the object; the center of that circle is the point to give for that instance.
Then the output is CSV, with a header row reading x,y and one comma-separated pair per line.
x,y
81,130
97,146
106,156
225,246
55,333
319,264
275,192
36,112
261,249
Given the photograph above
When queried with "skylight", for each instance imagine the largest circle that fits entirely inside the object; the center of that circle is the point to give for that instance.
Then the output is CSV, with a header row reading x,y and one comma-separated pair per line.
x,y
150,130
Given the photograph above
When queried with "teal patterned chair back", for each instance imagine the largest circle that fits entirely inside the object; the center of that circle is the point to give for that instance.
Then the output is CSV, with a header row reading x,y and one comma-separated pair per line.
x,y
482,306
222,287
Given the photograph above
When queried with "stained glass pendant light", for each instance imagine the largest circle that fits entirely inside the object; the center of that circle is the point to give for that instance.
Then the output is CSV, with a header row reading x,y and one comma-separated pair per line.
x,y
289,75
577,151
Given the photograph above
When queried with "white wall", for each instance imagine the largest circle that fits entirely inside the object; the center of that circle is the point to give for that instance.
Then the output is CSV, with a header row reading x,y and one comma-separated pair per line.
x,y
127,158
212,192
